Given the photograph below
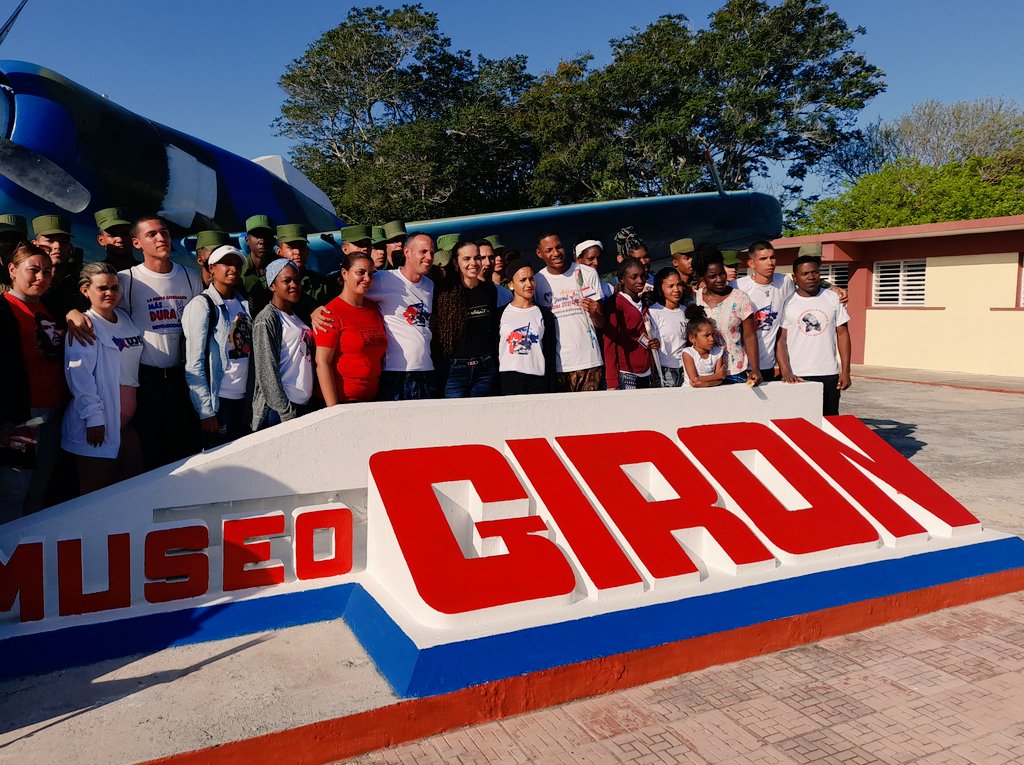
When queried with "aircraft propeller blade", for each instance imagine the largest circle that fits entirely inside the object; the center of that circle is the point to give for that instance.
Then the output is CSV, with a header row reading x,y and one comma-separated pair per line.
x,y
10,22
38,175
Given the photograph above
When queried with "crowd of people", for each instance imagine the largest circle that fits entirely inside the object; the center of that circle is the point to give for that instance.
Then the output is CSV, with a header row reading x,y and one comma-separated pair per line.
x,y
120,366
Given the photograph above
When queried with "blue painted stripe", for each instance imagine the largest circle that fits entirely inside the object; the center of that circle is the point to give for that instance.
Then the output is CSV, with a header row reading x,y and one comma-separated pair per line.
x,y
445,668
85,644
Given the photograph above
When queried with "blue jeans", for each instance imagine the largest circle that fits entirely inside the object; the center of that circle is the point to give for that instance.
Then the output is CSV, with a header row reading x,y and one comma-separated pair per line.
x,y
469,378
407,386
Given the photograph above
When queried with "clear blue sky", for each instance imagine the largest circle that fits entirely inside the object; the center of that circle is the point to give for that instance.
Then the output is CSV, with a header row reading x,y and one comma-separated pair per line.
x,y
210,68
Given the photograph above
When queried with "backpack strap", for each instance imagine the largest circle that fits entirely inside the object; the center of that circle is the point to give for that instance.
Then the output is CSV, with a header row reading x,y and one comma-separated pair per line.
x,y
211,322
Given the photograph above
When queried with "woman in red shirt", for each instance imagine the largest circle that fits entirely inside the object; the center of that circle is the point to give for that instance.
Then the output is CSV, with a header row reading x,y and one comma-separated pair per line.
x,y
349,355
33,342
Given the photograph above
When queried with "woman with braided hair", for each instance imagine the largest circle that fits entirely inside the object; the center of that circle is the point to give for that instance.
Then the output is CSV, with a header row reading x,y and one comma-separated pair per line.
x,y
464,326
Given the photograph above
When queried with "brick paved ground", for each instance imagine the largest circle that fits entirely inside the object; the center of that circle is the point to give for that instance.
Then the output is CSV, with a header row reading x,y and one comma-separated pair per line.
x,y
941,689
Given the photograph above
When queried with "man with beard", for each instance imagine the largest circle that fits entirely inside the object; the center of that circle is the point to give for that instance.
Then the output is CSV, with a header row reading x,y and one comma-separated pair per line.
x,y
405,297
259,239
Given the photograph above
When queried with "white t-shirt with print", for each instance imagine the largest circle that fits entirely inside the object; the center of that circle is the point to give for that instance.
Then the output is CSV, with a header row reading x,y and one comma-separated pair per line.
x,y
811,324
521,331
669,325
768,301
577,345
125,336
236,373
406,308
704,367
296,361
154,302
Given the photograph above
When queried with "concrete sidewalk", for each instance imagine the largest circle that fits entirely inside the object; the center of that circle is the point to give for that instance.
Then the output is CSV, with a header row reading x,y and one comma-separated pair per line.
x,y
943,688
995,383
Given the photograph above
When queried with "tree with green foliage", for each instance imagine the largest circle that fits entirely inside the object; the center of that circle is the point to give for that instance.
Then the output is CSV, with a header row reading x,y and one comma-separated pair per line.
x,y
762,85
392,123
906,192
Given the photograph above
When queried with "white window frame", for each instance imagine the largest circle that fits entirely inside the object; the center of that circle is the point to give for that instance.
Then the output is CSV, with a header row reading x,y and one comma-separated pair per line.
x,y
898,283
836,273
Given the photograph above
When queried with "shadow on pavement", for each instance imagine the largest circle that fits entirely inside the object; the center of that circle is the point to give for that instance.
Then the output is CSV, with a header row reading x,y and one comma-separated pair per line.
x,y
91,692
899,435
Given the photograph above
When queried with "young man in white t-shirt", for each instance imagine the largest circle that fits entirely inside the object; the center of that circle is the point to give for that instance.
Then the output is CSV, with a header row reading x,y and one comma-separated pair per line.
x,y
814,327
768,291
154,294
573,292
405,297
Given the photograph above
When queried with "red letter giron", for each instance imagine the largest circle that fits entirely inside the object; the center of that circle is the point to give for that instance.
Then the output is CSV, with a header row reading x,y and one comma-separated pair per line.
x,y
829,522
71,598
447,580
23,575
598,552
648,525
239,553
882,461
337,520
177,554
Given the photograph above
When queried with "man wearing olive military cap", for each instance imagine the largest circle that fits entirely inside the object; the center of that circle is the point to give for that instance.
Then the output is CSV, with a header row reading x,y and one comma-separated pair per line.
x,y
259,240
317,290
53,234
378,253
356,239
394,241
681,251
206,243
13,231
114,224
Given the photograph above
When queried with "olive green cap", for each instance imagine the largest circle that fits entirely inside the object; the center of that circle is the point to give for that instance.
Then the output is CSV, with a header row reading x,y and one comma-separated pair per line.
x,y
447,241
394,229
814,248
442,257
291,232
48,225
377,235
495,240
731,257
259,223
13,222
112,217
681,247
353,234
212,239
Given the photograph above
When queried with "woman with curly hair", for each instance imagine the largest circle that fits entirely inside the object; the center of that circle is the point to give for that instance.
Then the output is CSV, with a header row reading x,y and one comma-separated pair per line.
x,y
464,326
